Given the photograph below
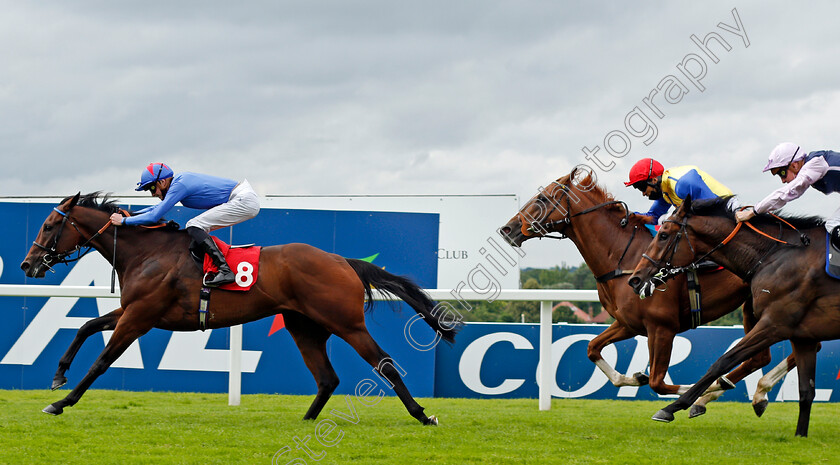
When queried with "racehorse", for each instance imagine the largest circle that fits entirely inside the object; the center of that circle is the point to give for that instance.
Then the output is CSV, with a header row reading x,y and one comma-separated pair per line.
x,y
606,234
793,296
318,294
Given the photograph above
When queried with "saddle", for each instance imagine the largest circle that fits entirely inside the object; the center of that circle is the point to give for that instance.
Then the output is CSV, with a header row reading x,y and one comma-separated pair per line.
x,y
244,260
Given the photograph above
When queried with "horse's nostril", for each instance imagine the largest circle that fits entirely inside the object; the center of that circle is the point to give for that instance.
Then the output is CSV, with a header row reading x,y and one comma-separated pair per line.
x,y
634,282
505,230
25,266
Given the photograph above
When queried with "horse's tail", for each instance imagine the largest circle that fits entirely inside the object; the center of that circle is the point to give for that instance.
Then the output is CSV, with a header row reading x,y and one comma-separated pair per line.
x,y
405,289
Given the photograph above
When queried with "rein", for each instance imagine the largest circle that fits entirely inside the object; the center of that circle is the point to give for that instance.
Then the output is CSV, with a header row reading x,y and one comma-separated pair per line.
x,y
667,270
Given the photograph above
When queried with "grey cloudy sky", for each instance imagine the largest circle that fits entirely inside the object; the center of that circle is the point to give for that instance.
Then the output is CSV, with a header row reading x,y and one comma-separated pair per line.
x,y
375,97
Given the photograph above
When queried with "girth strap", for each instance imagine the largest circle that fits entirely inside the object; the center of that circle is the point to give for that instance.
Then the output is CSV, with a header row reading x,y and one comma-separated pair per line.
x,y
203,302
612,275
694,297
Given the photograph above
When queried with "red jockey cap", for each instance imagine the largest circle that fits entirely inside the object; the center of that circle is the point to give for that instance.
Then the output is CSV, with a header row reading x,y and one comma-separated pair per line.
x,y
643,170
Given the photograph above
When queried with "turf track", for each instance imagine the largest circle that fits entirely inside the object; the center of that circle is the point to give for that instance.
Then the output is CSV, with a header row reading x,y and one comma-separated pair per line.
x,y
129,427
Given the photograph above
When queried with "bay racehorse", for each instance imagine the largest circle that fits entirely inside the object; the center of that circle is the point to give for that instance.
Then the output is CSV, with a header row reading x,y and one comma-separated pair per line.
x,y
607,236
318,293
793,296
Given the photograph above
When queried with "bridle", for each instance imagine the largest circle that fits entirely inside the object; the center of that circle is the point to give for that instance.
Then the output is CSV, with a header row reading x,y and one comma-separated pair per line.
x,y
567,221
667,270
549,227
53,256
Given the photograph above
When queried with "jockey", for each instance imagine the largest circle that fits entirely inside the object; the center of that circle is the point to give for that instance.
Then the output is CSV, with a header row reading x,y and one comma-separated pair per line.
x,y
672,186
800,170
226,201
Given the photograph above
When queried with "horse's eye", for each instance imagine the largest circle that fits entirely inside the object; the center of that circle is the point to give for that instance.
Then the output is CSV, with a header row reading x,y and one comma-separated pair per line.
x,y
663,236
48,227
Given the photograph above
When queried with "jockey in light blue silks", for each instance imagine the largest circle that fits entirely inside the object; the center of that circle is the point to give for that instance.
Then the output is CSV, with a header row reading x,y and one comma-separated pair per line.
x,y
226,201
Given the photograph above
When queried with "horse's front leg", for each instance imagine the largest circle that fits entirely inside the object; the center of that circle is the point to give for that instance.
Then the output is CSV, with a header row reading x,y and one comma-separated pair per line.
x,y
129,327
96,325
614,333
660,343
761,337
728,381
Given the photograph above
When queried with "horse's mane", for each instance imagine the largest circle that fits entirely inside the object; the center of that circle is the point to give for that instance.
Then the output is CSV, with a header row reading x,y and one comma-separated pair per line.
x,y
105,203
599,194
718,207
97,201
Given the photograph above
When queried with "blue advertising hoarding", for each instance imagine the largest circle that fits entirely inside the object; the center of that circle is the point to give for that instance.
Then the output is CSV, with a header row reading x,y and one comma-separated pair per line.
x,y
500,360
37,331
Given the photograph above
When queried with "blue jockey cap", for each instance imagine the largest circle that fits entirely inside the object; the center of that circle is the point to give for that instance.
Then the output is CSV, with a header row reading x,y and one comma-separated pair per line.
x,y
152,174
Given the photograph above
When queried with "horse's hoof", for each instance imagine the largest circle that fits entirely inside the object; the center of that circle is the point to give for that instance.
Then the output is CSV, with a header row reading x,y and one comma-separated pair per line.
x,y
696,411
53,410
663,416
760,407
431,421
58,382
642,378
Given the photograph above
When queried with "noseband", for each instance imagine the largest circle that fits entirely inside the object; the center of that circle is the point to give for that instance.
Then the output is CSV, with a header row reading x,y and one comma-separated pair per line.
x,y
666,269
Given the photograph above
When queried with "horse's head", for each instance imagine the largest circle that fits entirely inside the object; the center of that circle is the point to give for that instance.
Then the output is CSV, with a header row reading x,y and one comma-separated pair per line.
x,y
55,240
676,245
551,210
544,213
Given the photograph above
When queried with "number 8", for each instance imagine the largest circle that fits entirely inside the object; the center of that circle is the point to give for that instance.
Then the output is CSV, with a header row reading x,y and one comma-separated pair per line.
x,y
244,274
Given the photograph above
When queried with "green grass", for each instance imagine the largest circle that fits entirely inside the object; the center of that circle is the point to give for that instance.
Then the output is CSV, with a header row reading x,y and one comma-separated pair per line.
x,y
137,428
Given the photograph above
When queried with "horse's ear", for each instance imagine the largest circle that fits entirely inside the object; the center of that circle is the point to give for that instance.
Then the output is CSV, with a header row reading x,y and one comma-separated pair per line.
x,y
74,201
686,205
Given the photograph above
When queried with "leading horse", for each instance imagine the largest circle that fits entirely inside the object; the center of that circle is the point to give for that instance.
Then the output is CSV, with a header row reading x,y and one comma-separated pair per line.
x,y
318,294
606,235
793,296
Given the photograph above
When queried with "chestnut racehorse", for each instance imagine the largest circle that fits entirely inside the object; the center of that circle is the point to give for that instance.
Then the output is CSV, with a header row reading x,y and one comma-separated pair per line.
x,y
607,236
318,294
794,298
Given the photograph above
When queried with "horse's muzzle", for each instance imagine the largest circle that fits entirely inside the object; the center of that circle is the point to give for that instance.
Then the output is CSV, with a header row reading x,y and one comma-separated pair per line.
x,y
36,270
512,236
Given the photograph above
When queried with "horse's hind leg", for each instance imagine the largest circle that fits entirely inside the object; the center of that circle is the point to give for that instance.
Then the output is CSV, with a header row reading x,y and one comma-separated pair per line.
x,y
364,344
311,340
766,383
806,361
103,323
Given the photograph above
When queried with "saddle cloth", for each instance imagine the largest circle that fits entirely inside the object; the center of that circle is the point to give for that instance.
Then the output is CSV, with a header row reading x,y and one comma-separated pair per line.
x,y
244,261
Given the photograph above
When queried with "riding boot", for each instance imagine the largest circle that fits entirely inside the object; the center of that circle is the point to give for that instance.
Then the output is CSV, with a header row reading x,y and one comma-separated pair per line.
x,y
203,240
225,275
